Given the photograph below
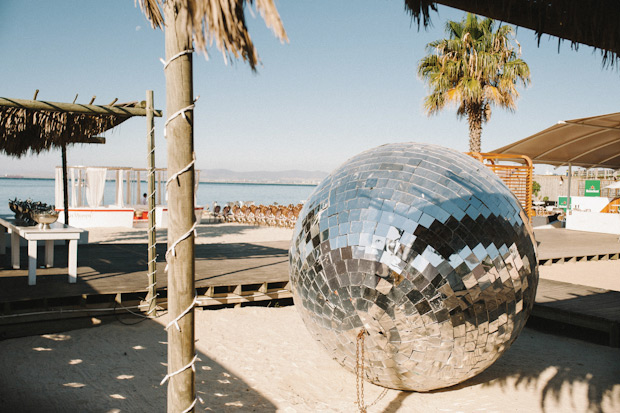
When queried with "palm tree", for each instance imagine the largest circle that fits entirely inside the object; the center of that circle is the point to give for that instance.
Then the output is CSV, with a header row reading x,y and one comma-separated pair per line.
x,y
476,67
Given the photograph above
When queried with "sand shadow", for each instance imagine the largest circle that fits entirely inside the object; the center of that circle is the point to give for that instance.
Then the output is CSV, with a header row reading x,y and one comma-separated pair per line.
x,y
553,371
61,372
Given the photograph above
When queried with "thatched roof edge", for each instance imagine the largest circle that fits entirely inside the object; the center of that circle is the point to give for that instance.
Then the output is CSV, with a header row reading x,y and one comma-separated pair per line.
x,y
35,126
592,23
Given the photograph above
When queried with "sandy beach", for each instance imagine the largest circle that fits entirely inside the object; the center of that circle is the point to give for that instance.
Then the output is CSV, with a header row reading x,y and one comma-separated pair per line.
x,y
262,359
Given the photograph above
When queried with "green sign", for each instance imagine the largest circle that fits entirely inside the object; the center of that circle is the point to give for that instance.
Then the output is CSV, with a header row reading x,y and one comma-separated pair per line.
x,y
593,187
562,202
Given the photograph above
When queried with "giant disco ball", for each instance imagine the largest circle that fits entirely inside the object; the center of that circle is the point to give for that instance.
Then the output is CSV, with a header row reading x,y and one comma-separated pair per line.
x,y
424,249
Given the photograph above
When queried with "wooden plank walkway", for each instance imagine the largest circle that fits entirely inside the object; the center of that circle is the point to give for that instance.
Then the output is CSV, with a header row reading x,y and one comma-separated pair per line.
x,y
559,245
578,305
121,268
245,272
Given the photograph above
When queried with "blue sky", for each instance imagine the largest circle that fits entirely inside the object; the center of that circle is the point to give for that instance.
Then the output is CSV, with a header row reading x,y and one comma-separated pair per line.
x,y
346,82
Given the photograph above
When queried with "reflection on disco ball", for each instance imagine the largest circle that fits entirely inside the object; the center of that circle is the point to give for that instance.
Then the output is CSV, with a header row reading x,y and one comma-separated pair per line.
x,y
424,249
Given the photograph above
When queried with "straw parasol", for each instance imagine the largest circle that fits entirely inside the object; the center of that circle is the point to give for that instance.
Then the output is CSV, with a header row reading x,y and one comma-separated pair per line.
x,y
37,126
34,126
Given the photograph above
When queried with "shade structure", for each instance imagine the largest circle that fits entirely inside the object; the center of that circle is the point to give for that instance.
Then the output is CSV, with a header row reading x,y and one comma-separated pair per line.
x,y
592,142
593,23
36,126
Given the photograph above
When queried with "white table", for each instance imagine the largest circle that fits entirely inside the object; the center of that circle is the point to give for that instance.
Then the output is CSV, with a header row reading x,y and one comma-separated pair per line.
x,y
57,231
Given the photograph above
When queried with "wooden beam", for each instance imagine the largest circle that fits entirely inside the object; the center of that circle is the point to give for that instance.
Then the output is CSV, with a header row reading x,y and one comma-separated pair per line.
x,y
89,139
75,108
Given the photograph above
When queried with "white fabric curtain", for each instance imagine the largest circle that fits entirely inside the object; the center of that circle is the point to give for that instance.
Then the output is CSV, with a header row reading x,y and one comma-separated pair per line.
x,y
196,183
138,190
80,187
73,202
95,184
120,176
58,195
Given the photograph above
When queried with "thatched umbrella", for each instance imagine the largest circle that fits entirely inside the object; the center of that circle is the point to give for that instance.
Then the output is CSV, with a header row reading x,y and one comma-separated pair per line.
x,y
34,126
206,21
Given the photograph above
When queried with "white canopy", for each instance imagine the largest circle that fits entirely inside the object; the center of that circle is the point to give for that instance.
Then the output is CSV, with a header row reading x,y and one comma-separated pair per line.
x,y
589,142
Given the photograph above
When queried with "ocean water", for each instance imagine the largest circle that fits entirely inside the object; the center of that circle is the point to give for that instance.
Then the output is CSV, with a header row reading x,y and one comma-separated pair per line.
x,y
43,190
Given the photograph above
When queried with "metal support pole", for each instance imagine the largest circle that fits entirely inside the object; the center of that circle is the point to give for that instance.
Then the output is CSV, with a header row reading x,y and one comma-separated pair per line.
x,y
570,175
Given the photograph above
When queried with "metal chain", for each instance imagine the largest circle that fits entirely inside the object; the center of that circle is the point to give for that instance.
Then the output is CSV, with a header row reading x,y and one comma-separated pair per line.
x,y
359,375
359,370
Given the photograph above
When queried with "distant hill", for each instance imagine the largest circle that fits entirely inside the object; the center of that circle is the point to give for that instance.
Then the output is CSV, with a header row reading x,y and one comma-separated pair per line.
x,y
292,176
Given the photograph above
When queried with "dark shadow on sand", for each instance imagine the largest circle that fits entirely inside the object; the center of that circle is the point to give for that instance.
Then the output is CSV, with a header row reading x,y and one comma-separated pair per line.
x,y
529,362
135,381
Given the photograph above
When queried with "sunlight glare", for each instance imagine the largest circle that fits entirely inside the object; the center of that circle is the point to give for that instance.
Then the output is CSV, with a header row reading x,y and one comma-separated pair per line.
x,y
57,337
74,385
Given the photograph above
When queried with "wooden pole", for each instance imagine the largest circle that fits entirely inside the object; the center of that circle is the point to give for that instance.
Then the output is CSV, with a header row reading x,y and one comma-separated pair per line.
x,y
152,254
180,148
65,179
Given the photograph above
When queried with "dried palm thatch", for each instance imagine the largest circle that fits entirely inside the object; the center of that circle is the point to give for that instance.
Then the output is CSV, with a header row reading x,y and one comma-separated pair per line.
x,y
24,129
592,23
219,21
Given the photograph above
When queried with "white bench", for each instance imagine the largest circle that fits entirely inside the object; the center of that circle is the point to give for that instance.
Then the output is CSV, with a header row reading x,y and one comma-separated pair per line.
x,y
32,235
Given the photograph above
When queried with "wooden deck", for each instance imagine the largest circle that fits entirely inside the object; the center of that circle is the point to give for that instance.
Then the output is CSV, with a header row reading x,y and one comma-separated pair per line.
x,y
559,245
580,306
112,279
121,268
240,273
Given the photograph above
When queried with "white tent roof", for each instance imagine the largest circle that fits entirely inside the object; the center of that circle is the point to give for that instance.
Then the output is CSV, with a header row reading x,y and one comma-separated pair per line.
x,y
588,142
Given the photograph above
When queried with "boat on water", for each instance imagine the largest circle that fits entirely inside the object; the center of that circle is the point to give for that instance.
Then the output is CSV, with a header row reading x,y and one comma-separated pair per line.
x,y
128,209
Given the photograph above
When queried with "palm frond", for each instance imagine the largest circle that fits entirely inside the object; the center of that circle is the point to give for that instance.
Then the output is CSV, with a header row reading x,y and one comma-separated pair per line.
x,y
218,21
420,11
270,15
152,10
434,103
223,22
